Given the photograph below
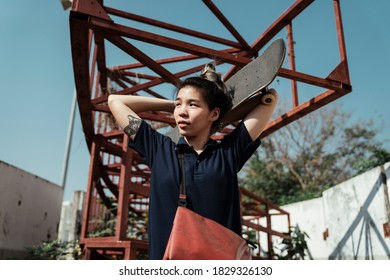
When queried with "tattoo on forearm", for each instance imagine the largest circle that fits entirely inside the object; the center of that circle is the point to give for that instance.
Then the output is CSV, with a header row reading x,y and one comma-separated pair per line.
x,y
132,127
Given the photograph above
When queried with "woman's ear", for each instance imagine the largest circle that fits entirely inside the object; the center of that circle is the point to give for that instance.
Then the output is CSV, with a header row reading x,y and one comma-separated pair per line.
x,y
215,114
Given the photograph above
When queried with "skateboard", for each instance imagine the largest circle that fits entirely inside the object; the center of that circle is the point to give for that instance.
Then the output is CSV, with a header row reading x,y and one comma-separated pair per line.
x,y
251,82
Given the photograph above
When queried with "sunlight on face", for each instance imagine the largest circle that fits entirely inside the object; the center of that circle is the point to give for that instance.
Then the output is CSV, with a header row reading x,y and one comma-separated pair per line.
x,y
192,114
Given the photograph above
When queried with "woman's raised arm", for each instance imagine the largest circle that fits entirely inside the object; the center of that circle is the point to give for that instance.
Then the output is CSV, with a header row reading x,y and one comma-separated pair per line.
x,y
258,118
125,107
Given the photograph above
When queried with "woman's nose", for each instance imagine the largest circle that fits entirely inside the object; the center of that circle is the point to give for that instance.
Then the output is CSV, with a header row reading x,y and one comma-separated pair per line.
x,y
182,110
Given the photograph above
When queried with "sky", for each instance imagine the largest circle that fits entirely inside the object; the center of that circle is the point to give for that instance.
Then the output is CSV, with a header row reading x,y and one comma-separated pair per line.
x,y
36,72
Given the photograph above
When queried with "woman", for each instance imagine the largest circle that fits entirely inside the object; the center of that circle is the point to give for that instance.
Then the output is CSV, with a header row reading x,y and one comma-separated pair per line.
x,y
211,166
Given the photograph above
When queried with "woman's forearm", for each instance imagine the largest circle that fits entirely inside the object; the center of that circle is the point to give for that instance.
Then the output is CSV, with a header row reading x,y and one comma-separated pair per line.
x,y
142,103
258,118
122,106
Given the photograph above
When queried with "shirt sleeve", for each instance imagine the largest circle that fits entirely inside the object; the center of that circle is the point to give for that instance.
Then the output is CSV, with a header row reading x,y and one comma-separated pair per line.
x,y
241,145
147,142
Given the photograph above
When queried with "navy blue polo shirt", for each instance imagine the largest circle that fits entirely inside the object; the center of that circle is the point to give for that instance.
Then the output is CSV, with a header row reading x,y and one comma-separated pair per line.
x,y
211,180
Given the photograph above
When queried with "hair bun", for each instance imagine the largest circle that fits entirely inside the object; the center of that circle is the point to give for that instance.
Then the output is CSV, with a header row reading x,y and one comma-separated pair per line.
x,y
210,74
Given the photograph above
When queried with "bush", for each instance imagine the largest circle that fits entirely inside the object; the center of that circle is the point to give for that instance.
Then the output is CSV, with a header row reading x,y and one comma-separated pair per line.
x,y
55,250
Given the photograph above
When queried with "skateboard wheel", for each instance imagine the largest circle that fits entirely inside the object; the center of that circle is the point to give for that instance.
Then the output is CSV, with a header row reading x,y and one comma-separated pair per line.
x,y
267,99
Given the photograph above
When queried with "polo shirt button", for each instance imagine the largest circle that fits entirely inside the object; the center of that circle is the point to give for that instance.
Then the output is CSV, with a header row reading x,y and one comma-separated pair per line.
x,y
198,161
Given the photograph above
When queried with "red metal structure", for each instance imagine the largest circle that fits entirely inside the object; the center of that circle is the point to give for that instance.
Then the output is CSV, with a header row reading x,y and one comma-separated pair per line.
x,y
118,184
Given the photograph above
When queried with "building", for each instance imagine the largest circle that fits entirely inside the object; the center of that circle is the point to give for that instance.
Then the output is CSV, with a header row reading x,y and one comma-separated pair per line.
x,y
71,218
30,210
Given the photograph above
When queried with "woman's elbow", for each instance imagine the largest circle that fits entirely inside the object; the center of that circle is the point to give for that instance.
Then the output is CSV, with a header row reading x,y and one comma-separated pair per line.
x,y
111,99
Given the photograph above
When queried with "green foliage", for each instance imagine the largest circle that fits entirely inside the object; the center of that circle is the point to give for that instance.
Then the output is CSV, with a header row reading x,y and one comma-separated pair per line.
x,y
305,158
137,225
269,180
362,151
106,225
294,247
55,250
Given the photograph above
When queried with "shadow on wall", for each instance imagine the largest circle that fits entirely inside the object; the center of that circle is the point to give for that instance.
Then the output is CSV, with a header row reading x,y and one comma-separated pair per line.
x,y
368,229
350,221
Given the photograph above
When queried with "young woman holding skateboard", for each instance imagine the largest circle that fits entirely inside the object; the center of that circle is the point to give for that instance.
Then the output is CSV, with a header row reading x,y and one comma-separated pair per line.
x,y
211,166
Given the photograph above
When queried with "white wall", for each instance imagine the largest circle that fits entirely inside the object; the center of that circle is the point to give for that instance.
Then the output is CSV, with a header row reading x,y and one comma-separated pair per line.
x,y
353,214
30,210
309,216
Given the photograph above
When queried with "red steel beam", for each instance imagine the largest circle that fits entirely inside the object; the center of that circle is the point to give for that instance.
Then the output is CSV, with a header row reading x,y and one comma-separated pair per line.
x,y
163,41
273,30
182,58
80,56
305,108
175,28
291,59
227,24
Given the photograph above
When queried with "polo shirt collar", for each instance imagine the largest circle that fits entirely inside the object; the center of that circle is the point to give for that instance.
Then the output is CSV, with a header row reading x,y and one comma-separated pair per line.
x,y
182,143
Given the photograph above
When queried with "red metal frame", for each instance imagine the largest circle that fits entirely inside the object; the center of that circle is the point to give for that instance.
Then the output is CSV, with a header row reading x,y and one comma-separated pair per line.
x,y
117,173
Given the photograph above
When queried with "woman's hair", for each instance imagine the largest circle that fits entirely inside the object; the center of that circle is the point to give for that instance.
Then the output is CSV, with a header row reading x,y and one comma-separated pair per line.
x,y
215,92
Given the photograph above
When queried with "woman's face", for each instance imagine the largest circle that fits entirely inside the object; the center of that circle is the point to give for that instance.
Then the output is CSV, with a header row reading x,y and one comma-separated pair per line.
x,y
192,114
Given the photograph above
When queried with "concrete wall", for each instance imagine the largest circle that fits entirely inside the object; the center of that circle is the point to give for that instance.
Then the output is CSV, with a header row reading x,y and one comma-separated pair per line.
x,y
30,209
71,217
349,221
309,216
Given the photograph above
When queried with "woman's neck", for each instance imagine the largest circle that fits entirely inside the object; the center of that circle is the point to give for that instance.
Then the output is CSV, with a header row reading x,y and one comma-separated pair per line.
x,y
197,143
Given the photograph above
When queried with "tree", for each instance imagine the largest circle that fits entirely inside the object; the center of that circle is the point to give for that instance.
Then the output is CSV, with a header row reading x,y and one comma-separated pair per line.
x,y
312,154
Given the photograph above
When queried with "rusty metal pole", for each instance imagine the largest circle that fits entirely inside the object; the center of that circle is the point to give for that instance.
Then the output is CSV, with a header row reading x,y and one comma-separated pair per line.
x,y
69,140
124,191
269,235
341,38
291,58
92,178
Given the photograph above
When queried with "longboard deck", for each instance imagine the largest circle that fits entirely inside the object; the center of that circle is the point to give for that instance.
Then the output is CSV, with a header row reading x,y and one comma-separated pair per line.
x,y
253,78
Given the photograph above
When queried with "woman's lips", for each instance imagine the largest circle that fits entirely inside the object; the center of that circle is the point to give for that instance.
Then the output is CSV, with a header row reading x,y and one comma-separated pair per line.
x,y
183,124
